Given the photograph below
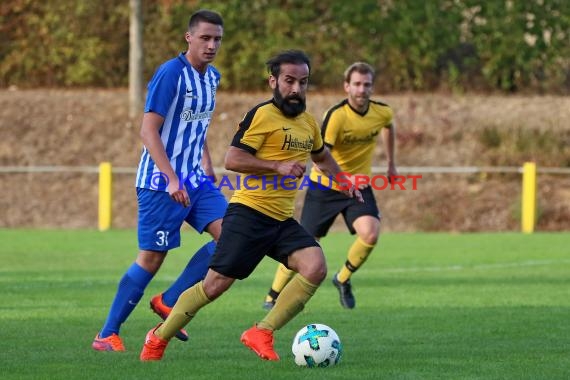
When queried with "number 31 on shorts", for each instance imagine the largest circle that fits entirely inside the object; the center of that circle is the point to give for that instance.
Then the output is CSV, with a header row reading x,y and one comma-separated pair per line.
x,y
162,238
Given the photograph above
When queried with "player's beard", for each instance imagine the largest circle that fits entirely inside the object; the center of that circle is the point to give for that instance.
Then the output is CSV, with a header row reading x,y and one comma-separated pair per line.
x,y
289,109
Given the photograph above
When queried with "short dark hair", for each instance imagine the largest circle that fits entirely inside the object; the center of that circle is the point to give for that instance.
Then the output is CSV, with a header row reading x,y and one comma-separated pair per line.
x,y
205,15
287,56
359,67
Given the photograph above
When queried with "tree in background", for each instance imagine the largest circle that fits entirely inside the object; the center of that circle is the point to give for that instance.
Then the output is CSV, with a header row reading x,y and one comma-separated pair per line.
x,y
458,45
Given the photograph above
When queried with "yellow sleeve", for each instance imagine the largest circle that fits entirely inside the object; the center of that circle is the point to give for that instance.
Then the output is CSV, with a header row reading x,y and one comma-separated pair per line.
x,y
333,127
254,134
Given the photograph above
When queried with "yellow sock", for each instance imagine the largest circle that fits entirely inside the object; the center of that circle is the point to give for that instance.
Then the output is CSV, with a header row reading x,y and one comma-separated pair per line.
x,y
188,304
357,255
282,277
290,303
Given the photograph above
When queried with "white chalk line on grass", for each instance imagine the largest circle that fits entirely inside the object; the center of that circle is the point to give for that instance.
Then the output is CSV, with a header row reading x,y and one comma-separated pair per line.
x,y
520,264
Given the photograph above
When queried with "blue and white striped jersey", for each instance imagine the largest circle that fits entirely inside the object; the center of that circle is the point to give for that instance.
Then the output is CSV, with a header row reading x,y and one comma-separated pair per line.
x,y
186,99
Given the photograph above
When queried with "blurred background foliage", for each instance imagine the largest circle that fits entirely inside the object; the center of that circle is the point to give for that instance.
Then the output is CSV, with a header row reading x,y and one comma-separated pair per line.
x,y
452,45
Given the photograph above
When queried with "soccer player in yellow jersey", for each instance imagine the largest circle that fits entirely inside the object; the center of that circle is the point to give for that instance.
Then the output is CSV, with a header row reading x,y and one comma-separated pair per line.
x,y
350,129
271,146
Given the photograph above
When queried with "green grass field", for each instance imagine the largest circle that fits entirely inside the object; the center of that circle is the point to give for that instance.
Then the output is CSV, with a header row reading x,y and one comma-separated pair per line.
x,y
429,306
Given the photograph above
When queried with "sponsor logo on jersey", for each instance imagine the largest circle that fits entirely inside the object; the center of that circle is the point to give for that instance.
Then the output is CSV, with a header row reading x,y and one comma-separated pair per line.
x,y
295,144
350,139
188,115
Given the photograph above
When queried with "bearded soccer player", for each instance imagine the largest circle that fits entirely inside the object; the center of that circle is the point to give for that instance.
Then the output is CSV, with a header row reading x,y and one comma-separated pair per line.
x,y
350,129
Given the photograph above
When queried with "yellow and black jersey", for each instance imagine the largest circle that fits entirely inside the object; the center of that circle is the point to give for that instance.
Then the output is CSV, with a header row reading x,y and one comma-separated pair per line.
x,y
352,137
266,133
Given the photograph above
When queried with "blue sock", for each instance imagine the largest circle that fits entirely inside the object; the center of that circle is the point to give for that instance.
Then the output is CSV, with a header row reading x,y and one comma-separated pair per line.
x,y
129,292
195,271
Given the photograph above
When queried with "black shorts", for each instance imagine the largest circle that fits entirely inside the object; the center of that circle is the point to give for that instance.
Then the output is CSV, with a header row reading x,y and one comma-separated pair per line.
x,y
248,235
322,206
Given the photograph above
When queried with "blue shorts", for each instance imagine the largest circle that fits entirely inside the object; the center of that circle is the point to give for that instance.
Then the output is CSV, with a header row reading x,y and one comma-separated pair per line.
x,y
160,218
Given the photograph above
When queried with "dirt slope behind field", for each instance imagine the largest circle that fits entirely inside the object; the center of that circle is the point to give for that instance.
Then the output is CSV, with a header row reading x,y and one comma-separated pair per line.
x,y
85,127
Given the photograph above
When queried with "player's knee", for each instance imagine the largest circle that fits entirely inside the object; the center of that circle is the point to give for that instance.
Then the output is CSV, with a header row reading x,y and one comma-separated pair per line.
x,y
313,266
215,285
150,260
213,290
317,271
370,238
368,229
370,234
321,273
315,275
213,294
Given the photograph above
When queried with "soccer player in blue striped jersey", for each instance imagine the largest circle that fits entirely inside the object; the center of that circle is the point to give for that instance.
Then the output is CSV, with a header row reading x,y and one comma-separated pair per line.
x,y
174,176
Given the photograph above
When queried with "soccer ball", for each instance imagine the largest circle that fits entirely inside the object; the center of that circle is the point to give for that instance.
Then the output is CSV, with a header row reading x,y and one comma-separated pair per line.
x,y
316,345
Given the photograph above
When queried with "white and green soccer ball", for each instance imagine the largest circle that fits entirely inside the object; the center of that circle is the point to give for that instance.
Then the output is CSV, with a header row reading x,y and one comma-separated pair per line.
x,y
317,345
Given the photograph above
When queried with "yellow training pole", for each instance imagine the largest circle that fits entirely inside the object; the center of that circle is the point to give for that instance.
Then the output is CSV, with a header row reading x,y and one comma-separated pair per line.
x,y
105,184
528,205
